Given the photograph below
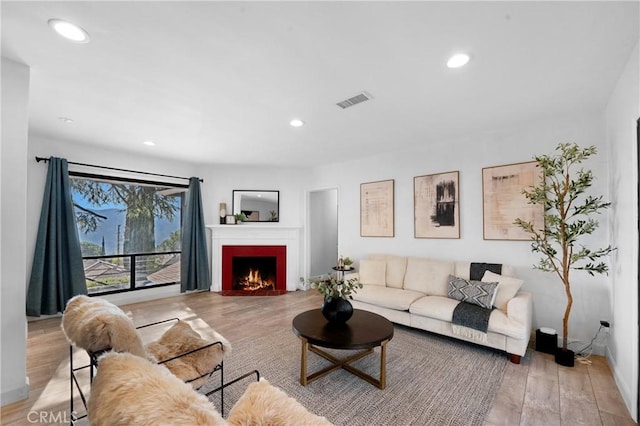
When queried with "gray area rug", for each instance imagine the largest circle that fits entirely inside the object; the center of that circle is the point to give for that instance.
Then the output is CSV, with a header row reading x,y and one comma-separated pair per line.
x,y
431,380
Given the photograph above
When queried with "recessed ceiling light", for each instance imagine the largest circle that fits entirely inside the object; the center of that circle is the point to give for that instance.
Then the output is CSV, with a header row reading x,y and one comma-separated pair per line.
x,y
69,31
66,120
296,122
149,143
456,61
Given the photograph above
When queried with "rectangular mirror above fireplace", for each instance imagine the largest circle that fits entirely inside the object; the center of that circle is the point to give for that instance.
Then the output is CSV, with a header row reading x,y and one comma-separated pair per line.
x,y
257,206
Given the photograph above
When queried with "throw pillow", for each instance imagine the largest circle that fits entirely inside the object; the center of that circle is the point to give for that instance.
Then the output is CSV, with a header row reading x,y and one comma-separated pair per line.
x,y
373,272
477,292
477,269
507,288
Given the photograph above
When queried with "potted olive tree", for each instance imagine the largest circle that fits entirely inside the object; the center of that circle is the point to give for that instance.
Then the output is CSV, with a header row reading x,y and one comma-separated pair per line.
x,y
568,217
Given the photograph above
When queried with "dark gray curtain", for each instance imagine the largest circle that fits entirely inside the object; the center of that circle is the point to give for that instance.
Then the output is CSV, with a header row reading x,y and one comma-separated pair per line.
x,y
194,268
57,273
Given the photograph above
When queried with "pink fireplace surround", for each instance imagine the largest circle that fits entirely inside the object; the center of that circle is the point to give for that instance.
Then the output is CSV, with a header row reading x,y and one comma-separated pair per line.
x,y
279,252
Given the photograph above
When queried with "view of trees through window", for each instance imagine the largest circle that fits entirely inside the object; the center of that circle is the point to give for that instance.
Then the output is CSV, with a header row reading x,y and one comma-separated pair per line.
x,y
129,232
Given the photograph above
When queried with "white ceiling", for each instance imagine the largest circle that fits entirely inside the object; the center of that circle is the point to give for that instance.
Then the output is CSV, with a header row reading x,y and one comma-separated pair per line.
x,y
218,82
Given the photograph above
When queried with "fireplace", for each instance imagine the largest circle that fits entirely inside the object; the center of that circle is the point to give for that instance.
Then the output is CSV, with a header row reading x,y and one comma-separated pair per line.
x,y
254,270
257,234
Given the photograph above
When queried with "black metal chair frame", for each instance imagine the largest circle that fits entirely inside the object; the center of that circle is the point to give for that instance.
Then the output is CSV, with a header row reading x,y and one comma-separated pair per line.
x,y
93,364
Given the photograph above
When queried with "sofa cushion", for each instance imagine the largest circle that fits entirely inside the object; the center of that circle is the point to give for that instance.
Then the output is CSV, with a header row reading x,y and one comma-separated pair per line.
x,y
429,276
478,293
441,308
396,268
507,288
436,307
373,272
387,297
462,269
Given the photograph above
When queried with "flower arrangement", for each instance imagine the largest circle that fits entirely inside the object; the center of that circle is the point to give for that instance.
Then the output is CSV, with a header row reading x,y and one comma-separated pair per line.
x,y
345,262
332,288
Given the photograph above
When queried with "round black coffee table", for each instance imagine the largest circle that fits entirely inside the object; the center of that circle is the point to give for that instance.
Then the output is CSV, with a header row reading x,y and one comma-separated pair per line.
x,y
364,330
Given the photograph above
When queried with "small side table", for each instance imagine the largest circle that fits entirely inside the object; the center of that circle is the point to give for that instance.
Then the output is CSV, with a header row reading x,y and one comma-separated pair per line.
x,y
341,270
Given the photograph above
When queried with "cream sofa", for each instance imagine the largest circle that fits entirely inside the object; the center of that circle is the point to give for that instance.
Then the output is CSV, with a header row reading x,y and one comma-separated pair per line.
x,y
413,291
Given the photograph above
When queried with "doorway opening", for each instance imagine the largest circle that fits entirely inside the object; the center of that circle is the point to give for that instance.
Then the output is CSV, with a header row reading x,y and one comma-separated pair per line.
x,y
322,206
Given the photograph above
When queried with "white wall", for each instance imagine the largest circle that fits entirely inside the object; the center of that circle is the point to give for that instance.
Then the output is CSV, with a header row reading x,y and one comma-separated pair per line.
x,y
469,155
621,114
221,180
13,227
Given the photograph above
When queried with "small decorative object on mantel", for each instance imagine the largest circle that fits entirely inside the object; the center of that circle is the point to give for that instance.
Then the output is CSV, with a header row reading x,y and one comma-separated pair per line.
x,y
567,218
336,307
240,217
230,219
223,213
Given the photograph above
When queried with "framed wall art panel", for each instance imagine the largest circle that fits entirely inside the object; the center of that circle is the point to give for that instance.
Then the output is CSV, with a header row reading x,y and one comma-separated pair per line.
x,y
503,200
376,209
436,205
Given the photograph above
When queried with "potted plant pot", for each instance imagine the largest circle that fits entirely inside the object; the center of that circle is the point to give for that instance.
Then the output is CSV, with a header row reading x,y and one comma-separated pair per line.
x,y
337,310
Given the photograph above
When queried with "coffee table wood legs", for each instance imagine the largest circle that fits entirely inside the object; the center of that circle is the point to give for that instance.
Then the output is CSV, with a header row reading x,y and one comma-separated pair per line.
x,y
342,363
303,362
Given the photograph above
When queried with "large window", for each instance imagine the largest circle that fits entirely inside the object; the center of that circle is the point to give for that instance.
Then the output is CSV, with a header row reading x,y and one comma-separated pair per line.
x,y
129,232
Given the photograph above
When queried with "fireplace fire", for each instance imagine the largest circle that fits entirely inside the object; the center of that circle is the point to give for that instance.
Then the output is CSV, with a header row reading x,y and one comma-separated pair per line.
x,y
254,273
254,270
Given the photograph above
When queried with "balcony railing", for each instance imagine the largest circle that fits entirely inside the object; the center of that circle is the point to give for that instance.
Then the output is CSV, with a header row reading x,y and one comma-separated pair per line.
x,y
127,272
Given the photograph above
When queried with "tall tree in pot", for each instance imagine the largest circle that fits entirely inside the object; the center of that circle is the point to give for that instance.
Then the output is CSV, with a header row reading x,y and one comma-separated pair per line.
x,y
568,217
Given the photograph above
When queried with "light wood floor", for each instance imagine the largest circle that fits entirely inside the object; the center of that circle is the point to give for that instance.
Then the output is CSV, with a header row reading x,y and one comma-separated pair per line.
x,y
536,392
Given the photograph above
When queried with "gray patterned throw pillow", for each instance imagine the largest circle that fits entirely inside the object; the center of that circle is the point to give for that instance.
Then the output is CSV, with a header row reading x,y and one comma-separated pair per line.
x,y
476,292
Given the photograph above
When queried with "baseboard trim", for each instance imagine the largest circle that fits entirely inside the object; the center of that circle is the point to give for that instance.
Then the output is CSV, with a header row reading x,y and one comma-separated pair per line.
x,y
628,395
14,395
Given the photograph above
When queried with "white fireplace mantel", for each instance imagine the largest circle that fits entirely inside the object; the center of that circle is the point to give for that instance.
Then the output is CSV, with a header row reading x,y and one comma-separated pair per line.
x,y
257,235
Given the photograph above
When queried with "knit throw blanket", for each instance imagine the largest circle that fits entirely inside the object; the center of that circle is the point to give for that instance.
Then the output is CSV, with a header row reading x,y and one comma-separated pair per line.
x,y
471,321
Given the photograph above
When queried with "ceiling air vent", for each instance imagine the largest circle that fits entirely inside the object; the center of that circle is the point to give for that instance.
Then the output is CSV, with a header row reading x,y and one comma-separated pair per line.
x,y
354,100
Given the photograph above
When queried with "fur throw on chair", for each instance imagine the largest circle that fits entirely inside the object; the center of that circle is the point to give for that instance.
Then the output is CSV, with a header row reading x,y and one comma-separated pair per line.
x,y
94,324
129,390
264,404
181,338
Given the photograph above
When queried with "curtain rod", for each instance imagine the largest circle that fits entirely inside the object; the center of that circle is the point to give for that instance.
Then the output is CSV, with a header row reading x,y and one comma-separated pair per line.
x,y
39,159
